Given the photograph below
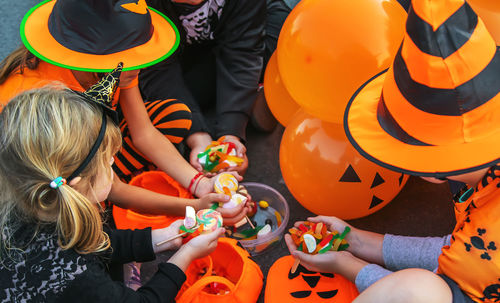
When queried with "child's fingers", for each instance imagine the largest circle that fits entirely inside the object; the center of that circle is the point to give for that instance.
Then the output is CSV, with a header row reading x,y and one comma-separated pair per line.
x,y
235,219
297,223
290,244
304,258
214,197
231,212
234,173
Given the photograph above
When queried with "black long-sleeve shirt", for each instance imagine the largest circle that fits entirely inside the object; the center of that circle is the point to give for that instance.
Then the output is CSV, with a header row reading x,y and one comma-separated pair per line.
x,y
43,272
237,45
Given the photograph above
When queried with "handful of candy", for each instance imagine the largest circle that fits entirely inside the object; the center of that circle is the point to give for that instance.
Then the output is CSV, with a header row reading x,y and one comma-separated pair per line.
x,y
205,220
314,238
219,155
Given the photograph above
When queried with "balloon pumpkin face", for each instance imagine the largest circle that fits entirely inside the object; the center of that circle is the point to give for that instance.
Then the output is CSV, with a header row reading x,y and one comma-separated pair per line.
x,y
306,286
328,176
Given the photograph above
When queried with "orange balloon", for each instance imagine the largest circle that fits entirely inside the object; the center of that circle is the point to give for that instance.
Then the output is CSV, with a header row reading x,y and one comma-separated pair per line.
x,y
328,48
489,11
328,176
278,99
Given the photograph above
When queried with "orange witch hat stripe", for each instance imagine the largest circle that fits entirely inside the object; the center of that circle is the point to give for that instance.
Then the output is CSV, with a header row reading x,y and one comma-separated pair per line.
x,y
451,71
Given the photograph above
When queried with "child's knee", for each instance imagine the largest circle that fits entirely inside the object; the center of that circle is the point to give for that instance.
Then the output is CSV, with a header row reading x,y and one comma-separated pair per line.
x,y
418,285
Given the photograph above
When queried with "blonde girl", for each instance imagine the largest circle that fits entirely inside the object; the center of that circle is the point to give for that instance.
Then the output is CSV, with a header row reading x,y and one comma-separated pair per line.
x,y
56,151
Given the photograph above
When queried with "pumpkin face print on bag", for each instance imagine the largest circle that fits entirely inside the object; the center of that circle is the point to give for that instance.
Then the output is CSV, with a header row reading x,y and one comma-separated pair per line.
x,y
306,286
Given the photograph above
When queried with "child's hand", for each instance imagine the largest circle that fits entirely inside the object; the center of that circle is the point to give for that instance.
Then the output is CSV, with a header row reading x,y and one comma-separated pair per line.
x,y
231,216
197,247
241,151
158,235
203,244
197,142
341,262
333,224
206,185
234,215
209,199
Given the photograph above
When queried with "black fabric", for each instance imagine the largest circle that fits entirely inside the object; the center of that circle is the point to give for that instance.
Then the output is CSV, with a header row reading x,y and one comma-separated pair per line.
x,y
448,37
449,102
93,150
98,27
222,73
458,295
392,127
42,272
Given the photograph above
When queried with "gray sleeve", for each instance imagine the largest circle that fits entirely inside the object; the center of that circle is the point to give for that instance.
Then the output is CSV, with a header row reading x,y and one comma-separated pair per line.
x,y
400,252
370,274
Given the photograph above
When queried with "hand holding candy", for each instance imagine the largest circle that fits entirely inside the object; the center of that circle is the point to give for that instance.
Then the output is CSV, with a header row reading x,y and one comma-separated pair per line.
x,y
314,238
220,155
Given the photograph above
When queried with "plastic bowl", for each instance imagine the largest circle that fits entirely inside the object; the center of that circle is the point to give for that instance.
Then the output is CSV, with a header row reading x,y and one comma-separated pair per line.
x,y
260,191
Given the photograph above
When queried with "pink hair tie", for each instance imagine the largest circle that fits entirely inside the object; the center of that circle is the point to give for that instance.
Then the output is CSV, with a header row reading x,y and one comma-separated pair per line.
x,y
57,182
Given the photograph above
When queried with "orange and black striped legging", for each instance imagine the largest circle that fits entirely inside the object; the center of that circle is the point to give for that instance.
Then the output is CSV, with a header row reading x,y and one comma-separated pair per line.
x,y
171,117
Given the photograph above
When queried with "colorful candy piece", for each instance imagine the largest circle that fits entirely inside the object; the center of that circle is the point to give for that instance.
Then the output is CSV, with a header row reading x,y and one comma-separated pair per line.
x,y
236,200
190,218
225,180
310,243
210,218
219,155
264,231
263,204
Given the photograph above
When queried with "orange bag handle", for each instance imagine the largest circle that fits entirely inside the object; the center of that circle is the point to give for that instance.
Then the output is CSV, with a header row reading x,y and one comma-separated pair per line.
x,y
198,286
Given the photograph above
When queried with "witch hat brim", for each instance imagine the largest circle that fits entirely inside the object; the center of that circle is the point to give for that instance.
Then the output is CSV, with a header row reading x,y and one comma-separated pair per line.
x,y
435,112
37,38
366,134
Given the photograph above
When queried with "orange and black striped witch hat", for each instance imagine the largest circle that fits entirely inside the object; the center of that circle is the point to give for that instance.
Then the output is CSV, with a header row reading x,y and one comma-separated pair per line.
x,y
436,111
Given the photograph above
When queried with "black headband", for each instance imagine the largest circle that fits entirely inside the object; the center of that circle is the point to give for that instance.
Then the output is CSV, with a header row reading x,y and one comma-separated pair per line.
x,y
92,151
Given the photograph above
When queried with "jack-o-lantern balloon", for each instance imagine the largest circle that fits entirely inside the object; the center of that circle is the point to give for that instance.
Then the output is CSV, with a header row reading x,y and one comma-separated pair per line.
x,y
305,286
328,48
278,99
328,176
489,11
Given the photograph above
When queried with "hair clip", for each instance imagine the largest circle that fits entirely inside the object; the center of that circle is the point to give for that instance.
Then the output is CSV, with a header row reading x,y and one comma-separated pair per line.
x,y
57,182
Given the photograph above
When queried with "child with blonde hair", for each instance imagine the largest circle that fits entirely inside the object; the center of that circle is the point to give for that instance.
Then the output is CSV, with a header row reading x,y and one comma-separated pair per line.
x,y
53,244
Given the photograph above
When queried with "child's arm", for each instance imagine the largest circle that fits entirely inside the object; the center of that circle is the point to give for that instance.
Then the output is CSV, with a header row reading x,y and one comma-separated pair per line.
x,y
149,202
150,142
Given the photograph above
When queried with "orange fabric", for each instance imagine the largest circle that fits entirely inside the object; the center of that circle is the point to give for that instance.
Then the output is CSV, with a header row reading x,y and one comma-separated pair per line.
x,y
38,37
439,129
229,265
364,127
473,257
45,74
461,66
305,286
436,12
156,181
